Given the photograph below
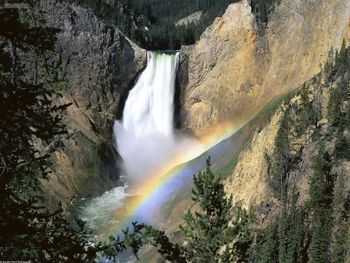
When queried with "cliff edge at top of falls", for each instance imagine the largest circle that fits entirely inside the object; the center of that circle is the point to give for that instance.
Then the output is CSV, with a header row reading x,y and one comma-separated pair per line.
x,y
238,66
97,65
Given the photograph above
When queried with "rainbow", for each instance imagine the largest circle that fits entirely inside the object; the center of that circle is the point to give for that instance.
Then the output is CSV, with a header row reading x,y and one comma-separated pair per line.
x,y
160,178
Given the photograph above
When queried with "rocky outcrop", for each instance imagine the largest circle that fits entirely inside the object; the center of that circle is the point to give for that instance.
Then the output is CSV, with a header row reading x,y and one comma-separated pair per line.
x,y
235,68
248,184
97,65
253,181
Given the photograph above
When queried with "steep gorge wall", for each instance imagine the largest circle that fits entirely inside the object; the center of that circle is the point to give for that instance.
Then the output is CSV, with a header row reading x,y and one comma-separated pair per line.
x,y
252,183
228,75
97,65
233,71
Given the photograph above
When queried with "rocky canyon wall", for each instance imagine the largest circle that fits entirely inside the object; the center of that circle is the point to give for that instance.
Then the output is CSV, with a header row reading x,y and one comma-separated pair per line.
x,y
233,71
236,68
97,65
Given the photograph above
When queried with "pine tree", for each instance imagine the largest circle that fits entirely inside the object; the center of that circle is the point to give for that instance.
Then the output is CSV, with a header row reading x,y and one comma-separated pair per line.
x,y
206,231
284,238
328,70
268,252
321,191
282,158
341,242
341,219
29,231
210,232
283,225
319,247
335,105
341,62
295,232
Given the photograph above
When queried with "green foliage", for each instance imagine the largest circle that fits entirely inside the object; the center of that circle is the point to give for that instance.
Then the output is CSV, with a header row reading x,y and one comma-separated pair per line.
x,y
210,232
319,247
28,117
341,221
338,112
341,245
284,239
206,231
342,60
62,85
329,69
267,250
281,162
321,198
151,24
318,232
308,113
334,110
342,147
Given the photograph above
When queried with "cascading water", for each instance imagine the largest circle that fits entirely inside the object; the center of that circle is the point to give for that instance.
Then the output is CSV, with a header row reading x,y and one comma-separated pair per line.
x,y
147,142
149,108
145,137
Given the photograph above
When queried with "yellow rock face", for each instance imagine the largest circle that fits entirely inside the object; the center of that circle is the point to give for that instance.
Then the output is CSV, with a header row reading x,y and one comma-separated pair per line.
x,y
233,71
248,184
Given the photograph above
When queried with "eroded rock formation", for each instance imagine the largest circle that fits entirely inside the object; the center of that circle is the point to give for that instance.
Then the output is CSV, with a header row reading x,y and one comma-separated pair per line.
x,y
236,68
97,65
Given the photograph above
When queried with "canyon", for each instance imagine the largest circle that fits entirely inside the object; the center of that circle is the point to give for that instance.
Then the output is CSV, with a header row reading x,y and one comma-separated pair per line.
x,y
233,71
235,147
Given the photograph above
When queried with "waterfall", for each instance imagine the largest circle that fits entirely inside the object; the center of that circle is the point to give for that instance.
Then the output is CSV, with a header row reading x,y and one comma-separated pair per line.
x,y
145,136
150,105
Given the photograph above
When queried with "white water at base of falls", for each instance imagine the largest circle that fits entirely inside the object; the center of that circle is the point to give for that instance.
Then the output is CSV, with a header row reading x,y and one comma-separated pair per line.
x,y
145,137
99,211
147,142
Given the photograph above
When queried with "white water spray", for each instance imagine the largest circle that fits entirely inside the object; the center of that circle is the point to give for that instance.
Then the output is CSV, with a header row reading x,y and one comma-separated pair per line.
x,y
145,137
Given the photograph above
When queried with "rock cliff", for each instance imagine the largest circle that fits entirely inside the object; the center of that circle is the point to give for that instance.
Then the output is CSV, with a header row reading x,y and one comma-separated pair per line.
x,y
249,183
233,71
237,67
97,65
315,115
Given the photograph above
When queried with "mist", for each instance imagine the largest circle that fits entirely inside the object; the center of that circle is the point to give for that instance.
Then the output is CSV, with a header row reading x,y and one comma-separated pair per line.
x,y
145,137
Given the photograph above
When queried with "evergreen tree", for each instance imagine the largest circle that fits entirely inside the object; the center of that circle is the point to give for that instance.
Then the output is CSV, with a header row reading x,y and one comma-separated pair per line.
x,y
284,238
268,250
28,116
319,247
321,196
328,70
341,219
210,233
295,233
152,24
318,232
282,235
282,158
334,107
206,231
342,59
